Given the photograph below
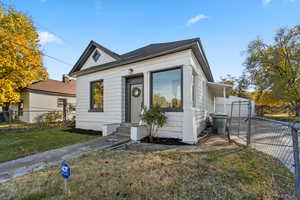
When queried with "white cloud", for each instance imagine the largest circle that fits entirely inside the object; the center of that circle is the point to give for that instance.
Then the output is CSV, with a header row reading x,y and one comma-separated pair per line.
x,y
46,37
265,2
196,19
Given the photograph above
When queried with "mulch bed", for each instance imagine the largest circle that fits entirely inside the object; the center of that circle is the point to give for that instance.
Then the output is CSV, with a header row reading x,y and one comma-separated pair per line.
x,y
83,131
165,141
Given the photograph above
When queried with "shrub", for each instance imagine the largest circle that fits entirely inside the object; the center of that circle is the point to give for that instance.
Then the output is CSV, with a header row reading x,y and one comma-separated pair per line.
x,y
53,118
154,118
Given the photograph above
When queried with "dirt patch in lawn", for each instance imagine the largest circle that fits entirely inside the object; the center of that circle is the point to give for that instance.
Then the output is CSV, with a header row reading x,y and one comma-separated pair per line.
x,y
232,172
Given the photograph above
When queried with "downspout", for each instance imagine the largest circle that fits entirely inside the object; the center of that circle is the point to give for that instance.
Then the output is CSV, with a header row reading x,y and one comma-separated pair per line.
x,y
224,93
214,104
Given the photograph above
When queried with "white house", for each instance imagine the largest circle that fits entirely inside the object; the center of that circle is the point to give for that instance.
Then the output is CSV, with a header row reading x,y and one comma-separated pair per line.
x,y
112,88
46,96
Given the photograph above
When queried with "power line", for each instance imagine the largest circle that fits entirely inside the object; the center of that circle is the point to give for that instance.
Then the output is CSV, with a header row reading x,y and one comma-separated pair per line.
x,y
9,4
52,57
58,60
40,26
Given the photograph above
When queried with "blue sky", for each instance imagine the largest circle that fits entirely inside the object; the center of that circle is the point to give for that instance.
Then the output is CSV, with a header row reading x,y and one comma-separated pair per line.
x,y
225,26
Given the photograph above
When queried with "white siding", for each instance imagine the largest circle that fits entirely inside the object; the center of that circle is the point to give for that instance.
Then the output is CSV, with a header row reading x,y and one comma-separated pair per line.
x,y
204,98
36,104
114,91
104,58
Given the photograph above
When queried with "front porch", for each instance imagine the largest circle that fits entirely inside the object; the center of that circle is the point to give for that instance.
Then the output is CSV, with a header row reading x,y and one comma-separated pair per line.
x,y
219,90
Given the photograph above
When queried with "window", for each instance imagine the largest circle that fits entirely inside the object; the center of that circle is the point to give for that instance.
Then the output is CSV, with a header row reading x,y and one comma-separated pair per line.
x,y
96,96
61,102
96,55
166,89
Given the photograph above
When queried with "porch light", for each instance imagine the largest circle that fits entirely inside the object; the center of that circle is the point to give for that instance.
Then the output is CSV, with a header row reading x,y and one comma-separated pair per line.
x,y
130,70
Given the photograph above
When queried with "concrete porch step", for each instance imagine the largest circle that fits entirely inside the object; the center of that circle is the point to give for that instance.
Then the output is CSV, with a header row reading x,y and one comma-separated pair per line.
x,y
123,129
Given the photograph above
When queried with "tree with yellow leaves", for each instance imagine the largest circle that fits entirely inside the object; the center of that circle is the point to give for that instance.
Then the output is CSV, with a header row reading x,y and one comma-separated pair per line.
x,y
20,57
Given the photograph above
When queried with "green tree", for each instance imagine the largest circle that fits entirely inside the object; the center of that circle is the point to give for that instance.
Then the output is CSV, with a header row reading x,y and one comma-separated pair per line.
x,y
160,100
20,57
275,68
240,84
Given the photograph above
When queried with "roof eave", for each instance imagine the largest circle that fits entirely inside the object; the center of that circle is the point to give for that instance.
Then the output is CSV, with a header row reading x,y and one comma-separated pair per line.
x,y
193,46
50,92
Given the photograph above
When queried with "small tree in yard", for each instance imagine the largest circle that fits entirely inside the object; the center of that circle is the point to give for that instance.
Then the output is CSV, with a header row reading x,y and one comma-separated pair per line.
x,y
154,118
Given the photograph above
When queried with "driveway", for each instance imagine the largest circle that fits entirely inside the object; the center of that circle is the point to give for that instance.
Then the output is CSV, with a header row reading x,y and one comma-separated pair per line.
x,y
22,166
268,137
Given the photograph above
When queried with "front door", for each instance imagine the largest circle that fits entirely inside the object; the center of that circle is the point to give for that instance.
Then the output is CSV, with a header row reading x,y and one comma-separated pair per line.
x,y
134,98
136,102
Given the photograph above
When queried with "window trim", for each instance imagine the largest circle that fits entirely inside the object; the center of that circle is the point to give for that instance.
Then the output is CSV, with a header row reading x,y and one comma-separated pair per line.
x,y
64,100
99,55
179,109
91,98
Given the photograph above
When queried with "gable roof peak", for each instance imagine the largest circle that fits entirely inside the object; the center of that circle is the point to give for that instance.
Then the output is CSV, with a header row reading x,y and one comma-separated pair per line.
x,y
106,50
88,51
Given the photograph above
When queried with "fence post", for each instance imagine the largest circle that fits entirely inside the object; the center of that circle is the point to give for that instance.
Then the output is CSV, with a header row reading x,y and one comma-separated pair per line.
x,y
249,123
296,161
239,118
231,114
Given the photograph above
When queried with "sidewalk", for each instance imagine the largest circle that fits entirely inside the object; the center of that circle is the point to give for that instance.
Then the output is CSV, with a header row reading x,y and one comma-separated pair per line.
x,y
22,166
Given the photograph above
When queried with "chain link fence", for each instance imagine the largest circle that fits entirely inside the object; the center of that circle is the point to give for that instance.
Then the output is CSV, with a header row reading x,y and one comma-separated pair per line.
x,y
276,138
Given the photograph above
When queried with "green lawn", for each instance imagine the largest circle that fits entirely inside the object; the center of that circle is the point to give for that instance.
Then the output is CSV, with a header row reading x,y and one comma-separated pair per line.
x,y
17,145
238,173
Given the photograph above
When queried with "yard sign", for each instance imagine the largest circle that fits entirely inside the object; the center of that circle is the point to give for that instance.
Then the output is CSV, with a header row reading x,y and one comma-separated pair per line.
x,y
65,172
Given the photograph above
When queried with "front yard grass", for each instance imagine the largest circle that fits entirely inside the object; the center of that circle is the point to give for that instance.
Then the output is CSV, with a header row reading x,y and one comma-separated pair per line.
x,y
17,145
237,173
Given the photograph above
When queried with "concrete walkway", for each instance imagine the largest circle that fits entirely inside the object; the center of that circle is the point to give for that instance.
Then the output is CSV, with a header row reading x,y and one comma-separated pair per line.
x,y
22,166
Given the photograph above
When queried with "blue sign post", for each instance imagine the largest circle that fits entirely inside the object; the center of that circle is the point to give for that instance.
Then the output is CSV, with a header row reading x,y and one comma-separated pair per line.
x,y
65,172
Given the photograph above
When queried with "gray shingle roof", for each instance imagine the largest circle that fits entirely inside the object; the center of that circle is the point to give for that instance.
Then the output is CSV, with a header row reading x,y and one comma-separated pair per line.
x,y
155,48
147,52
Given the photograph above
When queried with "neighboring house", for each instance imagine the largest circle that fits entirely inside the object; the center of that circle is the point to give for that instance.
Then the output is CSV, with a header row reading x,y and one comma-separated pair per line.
x,y
45,96
235,106
111,89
